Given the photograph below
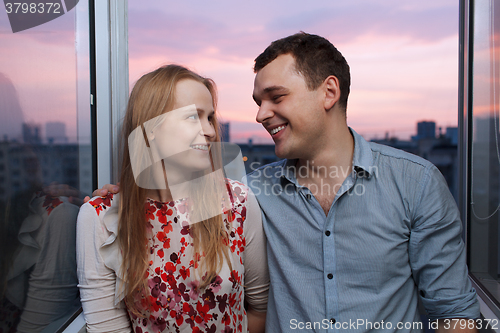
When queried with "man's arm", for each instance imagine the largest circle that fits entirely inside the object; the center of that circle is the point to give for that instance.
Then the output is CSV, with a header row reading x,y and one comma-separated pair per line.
x,y
437,253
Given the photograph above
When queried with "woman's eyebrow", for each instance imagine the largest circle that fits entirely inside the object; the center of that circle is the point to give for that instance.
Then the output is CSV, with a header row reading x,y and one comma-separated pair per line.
x,y
203,111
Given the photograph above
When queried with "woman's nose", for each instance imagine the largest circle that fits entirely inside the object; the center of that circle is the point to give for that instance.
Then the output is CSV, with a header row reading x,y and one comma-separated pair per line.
x,y
208,130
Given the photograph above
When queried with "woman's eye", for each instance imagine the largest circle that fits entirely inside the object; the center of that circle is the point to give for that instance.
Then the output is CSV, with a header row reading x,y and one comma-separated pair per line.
x,y
193,116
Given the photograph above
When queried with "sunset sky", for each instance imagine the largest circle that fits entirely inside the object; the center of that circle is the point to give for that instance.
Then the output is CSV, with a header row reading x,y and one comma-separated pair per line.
x,y
403,57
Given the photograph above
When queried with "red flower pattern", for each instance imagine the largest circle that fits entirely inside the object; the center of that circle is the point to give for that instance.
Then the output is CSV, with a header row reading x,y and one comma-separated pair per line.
x,y
176,302
50,202
101,203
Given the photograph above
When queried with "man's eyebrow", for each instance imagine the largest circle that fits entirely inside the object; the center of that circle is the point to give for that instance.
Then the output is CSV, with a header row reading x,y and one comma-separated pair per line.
x,y
275,88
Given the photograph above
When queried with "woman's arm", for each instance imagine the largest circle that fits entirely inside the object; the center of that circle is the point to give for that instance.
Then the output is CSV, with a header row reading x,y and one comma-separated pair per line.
x,y
256,321
256,270
97,282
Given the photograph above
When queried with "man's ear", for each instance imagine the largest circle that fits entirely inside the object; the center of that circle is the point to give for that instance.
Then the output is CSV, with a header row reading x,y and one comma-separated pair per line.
x,y
332,91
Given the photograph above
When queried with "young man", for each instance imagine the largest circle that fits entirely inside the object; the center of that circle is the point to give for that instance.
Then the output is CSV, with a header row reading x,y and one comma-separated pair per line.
x,y
356,232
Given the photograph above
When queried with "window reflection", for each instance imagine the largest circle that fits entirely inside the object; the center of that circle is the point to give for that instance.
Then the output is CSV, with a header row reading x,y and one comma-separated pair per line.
x,y
45,169
485,182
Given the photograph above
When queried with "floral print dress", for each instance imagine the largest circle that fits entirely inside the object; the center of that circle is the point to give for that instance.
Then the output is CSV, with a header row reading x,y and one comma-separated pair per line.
x,y
175,302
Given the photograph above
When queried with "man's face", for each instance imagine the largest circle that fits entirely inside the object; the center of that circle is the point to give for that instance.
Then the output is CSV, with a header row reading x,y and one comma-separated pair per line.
x,y
288,110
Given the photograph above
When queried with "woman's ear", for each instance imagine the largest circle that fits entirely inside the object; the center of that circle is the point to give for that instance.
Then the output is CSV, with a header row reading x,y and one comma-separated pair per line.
x,y
150,135
332,92
152,146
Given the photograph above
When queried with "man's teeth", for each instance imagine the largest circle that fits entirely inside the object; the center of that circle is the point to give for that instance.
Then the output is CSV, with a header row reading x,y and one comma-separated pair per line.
x,y
277,129
201,147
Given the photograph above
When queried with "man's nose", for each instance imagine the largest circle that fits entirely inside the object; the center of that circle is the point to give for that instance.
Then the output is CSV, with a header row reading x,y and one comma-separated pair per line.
x,y
265,112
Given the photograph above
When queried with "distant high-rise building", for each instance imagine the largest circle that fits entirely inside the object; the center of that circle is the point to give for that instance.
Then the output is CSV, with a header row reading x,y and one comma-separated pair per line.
x,y
224,135
426,130
452,135
55,132
31,133
10,109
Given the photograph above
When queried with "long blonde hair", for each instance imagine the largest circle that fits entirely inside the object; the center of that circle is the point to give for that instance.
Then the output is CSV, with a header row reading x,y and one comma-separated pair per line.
x,y
152,95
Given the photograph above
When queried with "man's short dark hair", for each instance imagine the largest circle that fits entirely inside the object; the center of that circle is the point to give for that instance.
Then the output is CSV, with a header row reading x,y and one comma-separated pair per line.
x,y
315,58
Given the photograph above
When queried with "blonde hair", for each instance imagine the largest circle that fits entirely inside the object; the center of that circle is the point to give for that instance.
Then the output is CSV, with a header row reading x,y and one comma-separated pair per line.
x,y
152,95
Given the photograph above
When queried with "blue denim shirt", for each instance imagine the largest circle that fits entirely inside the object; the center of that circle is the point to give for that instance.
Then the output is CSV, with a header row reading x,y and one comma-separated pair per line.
x,y
392,236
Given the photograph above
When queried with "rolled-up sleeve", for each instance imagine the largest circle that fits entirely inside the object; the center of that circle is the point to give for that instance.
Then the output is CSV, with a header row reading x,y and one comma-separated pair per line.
x,y
437,252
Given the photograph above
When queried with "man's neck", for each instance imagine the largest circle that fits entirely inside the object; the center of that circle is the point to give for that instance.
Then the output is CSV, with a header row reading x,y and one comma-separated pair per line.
x,y
325,174
333,161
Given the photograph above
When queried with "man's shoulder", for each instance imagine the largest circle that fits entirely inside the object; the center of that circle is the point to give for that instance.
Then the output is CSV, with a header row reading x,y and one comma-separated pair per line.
x,y
268,170
265,176
376,156
394,156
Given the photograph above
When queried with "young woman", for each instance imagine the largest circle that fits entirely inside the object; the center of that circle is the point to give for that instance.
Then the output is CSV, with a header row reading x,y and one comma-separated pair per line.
x,y
175,251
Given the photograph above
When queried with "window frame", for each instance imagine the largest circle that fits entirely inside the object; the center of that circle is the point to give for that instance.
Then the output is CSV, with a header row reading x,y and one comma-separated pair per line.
x,y
109,90
489,307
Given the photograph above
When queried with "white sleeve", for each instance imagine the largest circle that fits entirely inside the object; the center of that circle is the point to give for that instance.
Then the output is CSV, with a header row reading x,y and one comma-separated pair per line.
x,y
96,281
255,257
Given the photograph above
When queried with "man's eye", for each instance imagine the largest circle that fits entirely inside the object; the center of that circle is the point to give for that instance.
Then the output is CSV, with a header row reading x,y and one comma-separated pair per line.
x,y
277,98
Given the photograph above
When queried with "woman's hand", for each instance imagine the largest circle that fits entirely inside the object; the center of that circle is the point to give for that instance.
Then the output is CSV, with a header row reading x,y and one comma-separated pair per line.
x,y
108,188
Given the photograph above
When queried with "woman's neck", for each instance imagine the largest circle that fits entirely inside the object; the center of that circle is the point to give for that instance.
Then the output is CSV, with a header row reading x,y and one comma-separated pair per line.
x,y
160,195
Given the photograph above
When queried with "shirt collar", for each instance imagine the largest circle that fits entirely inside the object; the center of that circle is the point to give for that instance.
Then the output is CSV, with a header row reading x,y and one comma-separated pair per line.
x,y
362,161
288,171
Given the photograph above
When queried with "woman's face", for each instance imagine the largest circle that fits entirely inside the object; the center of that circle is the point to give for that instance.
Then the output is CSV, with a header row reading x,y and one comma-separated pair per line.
x,y
182,139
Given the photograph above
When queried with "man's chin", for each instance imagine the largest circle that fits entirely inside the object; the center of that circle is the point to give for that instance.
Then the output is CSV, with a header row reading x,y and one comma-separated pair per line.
x,y
281,153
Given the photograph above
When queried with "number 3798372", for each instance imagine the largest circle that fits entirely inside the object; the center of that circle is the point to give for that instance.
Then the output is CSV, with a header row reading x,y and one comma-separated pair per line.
x,y
33,8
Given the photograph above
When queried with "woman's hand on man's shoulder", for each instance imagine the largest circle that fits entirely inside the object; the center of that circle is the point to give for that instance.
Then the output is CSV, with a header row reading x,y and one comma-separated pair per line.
x,y
101,192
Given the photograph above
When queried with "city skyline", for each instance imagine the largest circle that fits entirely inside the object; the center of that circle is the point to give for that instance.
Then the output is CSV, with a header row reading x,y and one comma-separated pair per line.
x,y
55,132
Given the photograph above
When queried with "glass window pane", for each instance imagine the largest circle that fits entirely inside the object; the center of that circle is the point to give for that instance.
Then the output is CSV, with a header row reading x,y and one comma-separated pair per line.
x,y
45,162
485,200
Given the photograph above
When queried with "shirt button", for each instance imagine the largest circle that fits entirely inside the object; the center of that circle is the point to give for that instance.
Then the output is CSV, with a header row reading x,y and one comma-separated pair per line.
x,y
327,232
330,276
332,321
